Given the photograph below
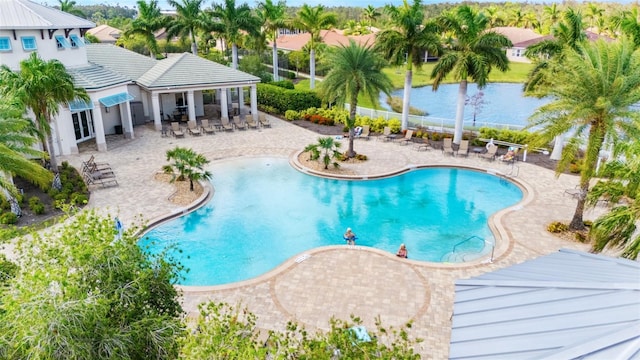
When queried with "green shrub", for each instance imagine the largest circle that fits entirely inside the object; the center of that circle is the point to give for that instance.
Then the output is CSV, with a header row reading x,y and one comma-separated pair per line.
x,y
38,209
4,205
361,157
292,115
557,227
395,125
285,99
285,84
7,269
79,199
291,75
8,218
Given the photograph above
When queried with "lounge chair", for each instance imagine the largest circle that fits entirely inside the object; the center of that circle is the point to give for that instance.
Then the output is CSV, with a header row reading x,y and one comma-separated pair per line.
x,y
386,134
91,165
491,153
407,138
175,130
365,132
206,127
226,125
464,148
252,124
424,145
238,123
101,178
264,121
192,126
447,146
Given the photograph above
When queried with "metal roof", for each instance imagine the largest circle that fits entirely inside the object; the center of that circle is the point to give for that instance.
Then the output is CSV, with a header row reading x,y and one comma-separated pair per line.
x,y
566,305
116,99
187,69
96,77
24,14
128,63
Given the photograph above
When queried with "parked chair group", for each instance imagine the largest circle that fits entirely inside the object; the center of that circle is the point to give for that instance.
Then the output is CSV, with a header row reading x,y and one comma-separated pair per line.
x,y
226,125
207,128
98,173
193,129
250,123
176,130
264,121
407,138
386,134
238,123
447,146
423,145
463,150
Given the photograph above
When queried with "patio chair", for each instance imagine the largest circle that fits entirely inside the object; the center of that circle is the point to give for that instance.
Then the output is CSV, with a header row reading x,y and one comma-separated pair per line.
x,y
365,132
226,125
91,165
424,145
264,121
447,146
193,129
386,134
491,153
206,127
238,123
252,124
175,129
407,138
464,148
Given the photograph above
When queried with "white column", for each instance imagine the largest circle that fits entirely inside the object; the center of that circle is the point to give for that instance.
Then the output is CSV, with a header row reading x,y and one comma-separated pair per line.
x,y
98,125
240,100
191,104
145,103
126,120
224,107
254,102
157,118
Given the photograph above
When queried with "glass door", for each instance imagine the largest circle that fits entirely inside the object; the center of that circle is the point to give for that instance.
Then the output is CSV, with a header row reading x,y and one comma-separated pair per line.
x,y
82,125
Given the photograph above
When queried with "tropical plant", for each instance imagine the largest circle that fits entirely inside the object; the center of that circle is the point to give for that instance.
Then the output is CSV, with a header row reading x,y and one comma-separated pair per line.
x,y
593,13
148,21
69,6
629,24
355,69
593,87
405,42
495,16
17,135
41,86
188,164
370,14
326,147
189,19
83,292
274,17
551,14
313,20
230,21
473,53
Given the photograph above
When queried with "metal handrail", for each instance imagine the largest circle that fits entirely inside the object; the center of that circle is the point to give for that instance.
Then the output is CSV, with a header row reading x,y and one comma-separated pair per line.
x,y
464,241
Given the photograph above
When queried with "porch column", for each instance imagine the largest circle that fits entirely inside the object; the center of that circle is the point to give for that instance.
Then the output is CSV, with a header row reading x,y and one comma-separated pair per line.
x,y
126,119
224,108
98,125
191,104
240,100
157,118
254,102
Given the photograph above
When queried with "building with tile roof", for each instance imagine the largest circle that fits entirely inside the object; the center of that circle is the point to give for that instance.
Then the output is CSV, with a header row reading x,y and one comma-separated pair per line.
x,y
295,42
566,305
105,34
125,88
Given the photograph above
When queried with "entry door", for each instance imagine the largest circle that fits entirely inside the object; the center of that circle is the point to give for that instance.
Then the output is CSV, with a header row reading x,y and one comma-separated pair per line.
x,y
83,125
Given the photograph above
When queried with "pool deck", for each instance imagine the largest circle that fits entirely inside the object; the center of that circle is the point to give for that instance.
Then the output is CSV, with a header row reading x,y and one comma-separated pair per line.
x,y
338,280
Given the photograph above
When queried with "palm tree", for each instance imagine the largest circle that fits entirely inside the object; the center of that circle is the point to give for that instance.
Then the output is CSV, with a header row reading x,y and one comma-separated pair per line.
x,y
551,13
355,69
629,23
149,21
495,16
406,42
593,89
326,147
69,6
313,20
474,52
229,21
17,135
188,20
188,164
593,13
274,17
41,86
370,14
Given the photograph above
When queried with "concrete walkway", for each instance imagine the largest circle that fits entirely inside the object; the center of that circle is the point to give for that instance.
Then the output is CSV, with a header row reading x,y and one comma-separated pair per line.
x,y
330,282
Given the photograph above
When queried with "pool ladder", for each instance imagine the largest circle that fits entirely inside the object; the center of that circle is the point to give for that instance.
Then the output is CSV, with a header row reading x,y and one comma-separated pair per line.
x,y
461,256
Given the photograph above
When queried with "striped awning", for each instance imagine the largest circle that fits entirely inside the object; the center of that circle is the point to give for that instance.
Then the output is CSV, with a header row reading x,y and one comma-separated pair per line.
x,y
80,105
116,99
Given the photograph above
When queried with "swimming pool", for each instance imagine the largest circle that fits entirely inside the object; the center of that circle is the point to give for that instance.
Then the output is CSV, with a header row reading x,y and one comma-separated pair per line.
x,y
264,212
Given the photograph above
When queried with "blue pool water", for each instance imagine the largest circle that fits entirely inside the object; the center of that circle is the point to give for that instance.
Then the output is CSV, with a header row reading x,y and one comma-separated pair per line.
x,y
263,212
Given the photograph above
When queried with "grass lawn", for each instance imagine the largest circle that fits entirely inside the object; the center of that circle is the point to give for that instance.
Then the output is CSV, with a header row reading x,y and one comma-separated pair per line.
x,y
517,73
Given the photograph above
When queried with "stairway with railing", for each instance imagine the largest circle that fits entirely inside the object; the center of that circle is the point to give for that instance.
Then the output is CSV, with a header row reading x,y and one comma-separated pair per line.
x,y
460,254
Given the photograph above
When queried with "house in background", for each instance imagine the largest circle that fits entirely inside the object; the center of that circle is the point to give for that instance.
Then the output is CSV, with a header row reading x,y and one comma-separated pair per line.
x,y
125,88
105,34
566,305
295,41
521,40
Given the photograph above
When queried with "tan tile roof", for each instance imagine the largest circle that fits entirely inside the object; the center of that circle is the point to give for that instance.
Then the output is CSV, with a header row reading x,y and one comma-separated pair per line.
x,y
105,33
295,42
517,35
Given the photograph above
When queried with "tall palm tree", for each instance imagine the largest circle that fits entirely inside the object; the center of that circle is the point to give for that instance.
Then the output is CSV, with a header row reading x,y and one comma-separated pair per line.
x,y
474,52
551,13
69,6
17,135
593,89
148,21
406,41
313,20
629,24
593,13
354,70
189,19
495,16
370,14
274,17
229,21
41,86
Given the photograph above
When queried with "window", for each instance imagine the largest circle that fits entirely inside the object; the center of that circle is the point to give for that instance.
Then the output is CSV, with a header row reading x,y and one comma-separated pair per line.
x,y
62,43
5,44
76,41
29,43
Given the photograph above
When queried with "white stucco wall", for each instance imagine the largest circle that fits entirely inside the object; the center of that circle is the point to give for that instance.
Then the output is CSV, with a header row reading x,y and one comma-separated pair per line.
x,y
47,49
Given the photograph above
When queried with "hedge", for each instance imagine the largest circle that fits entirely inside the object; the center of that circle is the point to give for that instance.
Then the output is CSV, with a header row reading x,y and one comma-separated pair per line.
x,y
282,100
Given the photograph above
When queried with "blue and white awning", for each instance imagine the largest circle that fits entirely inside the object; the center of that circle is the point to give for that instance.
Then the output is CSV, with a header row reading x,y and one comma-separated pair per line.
x,y
116,99
80,105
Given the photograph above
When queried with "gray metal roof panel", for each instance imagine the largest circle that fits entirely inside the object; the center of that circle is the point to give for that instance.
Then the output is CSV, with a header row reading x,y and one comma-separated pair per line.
x,y
96,77
128,63
24,14
189,70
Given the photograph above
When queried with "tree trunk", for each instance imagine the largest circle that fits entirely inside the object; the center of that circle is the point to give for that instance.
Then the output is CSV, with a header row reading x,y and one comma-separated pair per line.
x,y
351,122
194,45
406,97
312,69
558,145
191,185
462,95
275,57
234,56
52,156
594,145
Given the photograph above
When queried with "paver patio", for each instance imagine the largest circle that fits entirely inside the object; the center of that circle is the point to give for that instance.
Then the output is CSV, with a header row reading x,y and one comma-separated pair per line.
x,y
338,280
